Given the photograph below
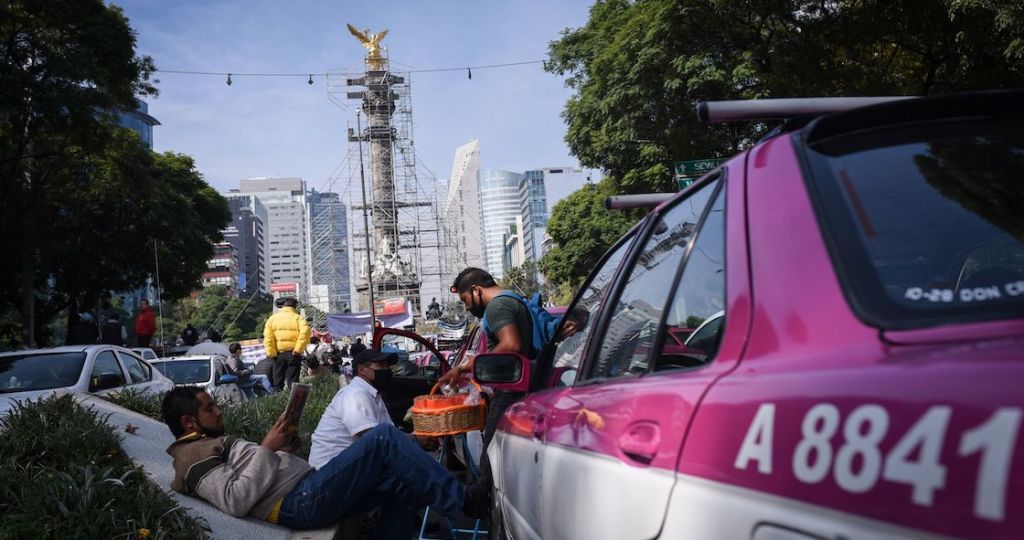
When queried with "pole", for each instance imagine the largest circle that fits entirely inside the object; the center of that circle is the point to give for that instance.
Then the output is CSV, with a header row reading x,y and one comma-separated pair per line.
x,y
160,303
366,222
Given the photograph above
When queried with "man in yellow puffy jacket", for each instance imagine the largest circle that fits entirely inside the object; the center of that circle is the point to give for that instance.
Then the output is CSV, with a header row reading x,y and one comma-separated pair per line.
x,y
285,337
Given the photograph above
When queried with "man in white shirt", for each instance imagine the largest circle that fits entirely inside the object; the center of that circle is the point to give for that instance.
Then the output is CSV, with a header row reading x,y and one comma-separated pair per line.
x,y
355,409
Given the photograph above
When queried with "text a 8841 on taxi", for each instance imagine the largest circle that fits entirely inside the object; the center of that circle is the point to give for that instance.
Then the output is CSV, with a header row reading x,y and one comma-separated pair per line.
x,y
865,269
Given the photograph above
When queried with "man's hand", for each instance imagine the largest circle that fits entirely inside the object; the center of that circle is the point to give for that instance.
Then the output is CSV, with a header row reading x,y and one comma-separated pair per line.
x,y
450,377
280,436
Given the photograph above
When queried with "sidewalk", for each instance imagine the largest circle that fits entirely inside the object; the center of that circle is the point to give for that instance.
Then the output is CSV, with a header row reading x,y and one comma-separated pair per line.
x,y
147,446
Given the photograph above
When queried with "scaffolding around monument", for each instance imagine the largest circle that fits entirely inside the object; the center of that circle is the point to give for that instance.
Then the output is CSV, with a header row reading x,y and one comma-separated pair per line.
x,y
406,235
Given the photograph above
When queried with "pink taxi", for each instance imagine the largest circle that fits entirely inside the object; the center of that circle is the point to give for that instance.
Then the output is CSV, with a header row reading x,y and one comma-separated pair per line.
x,y
854,286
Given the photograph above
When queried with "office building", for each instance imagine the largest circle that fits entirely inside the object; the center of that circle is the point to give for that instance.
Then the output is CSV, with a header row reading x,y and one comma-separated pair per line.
x,y
329,251
286,257
499,208
222,268
461,211
139,121
515,252
534,209
245,233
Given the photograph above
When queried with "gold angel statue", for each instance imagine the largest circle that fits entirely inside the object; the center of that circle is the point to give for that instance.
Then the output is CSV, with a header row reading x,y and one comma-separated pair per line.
x,y
372,43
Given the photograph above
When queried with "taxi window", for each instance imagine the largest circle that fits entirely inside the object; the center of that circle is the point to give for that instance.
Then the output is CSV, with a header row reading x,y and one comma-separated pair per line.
x,y
696,316
925,222
585,310
629,338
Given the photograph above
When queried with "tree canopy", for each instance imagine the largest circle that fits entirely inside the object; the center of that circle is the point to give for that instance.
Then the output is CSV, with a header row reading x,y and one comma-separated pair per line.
x,y
83,200
638,68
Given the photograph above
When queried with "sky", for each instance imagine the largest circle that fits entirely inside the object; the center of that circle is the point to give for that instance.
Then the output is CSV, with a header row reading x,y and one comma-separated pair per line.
x,y
286,127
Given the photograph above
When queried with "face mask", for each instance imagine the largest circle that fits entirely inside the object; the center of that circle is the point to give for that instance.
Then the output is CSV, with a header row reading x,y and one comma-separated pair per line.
x,y
381,378
477,309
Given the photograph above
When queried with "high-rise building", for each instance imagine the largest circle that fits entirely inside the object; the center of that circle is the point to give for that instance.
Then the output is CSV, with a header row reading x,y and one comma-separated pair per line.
x,y
461,211
245,232
286,257
534,208
560,182
328,229
139,121
515,252
222,268
499,208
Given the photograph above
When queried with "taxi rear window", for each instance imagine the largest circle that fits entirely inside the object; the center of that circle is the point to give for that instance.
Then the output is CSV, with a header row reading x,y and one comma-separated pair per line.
x,y
925,222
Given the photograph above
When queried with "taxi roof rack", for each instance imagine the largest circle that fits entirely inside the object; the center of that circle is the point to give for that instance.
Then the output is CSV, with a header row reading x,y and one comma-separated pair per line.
x,y
642,200
754,110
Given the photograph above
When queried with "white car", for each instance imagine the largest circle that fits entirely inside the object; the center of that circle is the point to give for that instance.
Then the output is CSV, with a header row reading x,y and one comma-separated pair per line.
x,y
100,369
146,353
208,371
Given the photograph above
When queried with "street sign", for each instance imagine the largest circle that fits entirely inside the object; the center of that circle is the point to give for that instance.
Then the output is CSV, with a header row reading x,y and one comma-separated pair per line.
x,y
685,181
697,167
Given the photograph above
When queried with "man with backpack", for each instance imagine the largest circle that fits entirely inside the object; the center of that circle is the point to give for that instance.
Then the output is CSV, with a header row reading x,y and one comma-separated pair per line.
x,y
512,325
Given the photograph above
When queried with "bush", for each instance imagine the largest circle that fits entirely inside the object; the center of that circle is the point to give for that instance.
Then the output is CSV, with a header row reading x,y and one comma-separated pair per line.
x,y
252,420
64,476
138,401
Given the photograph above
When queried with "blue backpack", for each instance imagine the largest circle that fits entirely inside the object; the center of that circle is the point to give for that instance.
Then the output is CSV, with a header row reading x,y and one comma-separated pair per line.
x,y
544,323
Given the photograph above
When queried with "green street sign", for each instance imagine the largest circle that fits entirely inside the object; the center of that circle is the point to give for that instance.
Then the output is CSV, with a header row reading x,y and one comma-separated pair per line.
x,y
697,167
685,181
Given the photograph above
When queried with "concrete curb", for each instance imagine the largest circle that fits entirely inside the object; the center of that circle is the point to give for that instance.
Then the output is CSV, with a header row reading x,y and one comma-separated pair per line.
x,y
148,445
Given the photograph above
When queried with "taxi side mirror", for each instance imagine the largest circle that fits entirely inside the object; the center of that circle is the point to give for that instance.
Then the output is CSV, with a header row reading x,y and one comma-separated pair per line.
x,y
227,378
503,371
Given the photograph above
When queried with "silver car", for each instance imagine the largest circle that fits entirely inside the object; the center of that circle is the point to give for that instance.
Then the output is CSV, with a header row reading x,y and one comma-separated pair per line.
x,y
99,369
208,371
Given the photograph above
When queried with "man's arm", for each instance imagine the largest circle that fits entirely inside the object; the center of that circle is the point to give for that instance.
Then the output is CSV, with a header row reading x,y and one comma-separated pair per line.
x,y
234,490
508,340
269,343
303,339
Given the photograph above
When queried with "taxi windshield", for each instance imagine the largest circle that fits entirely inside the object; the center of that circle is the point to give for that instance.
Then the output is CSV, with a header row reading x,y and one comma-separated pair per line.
x,y
926,223
26,372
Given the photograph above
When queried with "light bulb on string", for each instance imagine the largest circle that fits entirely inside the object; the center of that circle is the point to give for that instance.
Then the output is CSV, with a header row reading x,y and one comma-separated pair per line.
x,y
469,72
310,81
229,79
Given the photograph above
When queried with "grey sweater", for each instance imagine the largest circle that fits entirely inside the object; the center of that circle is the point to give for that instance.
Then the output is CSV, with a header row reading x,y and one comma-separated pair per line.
x,y
237,476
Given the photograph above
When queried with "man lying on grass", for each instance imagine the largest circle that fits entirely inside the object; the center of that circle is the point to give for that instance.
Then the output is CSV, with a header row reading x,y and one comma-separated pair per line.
x,y
383,468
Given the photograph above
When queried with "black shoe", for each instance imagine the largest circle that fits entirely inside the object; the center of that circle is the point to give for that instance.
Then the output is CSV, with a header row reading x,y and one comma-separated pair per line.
x,y
476,503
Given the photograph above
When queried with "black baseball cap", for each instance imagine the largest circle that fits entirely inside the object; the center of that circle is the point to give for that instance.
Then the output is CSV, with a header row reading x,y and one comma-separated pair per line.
x,y
373,355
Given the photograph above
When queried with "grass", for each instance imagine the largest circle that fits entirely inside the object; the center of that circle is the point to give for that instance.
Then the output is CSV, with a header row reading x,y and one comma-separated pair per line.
x,y
252,419
64,476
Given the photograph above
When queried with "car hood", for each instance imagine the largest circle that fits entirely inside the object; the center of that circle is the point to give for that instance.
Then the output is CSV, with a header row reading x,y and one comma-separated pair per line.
x,y
7,401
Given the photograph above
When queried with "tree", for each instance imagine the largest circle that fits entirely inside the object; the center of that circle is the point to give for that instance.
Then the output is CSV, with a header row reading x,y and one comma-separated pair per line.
x,y
525,280
638,68
65,68
582,230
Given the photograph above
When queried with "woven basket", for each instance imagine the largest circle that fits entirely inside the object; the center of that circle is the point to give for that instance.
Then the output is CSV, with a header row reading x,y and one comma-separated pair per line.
x,y
436,415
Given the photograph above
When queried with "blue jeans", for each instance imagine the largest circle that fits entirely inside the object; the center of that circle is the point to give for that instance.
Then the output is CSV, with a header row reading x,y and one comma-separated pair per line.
x,y
383,468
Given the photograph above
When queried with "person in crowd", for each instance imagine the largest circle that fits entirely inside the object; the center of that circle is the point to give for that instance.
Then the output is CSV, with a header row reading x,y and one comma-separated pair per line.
x,y
190,336
316,355
356,408
357,347
264,376
384,468
509,329
213,335
239,368
84,331
145,324
285,336
113,331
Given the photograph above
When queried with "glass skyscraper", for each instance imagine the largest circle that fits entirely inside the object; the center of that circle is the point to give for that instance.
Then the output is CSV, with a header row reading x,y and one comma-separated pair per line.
x,y
499,208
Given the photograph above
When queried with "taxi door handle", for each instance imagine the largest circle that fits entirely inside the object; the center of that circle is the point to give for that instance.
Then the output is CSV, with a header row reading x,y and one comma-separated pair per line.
x,y
640,441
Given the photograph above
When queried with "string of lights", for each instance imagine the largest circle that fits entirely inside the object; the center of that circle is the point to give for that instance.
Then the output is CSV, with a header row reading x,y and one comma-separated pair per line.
x,y
310,76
